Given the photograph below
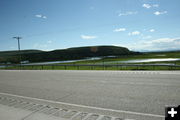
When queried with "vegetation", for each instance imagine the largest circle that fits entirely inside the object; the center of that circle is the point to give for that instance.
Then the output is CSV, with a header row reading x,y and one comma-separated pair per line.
x,y
64,54
13,56
109,55
77,67
119,59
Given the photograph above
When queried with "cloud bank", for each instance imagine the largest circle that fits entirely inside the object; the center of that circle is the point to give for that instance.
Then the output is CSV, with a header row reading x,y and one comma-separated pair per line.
x,y
155,45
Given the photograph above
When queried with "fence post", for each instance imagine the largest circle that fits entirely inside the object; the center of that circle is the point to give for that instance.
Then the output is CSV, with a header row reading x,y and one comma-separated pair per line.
x,y
91,67
77,67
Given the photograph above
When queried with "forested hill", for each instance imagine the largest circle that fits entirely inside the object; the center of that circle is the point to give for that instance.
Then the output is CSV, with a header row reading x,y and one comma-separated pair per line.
x,y
64,54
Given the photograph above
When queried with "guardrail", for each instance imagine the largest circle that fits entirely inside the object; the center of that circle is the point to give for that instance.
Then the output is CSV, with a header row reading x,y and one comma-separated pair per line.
x,y
96,66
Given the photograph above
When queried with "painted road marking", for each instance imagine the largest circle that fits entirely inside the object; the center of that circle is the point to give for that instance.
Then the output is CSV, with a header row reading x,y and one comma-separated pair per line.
x,y
83,106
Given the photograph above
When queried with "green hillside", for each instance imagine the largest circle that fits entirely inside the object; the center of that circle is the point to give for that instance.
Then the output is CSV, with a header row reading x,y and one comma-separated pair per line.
x,y
12,53
64,54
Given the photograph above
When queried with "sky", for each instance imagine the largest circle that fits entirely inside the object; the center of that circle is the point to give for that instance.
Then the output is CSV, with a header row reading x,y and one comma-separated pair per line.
x,y
140,25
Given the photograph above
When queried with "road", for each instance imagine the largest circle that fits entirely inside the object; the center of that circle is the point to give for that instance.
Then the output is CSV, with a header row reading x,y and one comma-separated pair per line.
x,y
144,92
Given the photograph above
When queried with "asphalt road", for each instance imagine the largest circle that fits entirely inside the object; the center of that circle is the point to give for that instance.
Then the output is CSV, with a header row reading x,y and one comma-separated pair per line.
x,y
134,91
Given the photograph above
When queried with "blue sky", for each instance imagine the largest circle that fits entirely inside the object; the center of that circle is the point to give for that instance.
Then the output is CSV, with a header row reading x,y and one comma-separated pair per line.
x,y
57,24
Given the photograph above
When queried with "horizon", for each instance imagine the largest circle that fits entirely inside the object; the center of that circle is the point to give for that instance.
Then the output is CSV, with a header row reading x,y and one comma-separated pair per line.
x,y
177,50
139,25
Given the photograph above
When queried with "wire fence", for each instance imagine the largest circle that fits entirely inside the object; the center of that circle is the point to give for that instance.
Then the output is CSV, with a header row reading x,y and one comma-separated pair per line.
x,y
93,67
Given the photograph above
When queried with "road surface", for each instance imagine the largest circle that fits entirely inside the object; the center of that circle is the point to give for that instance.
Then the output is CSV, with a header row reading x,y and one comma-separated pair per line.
x,y
141,92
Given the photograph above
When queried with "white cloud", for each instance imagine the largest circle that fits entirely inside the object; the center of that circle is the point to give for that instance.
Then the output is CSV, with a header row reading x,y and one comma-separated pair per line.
x,y
40,16
134,33
120,30
128,13
151,30
150,5
163,40
160,12
157,44
146,6
87,37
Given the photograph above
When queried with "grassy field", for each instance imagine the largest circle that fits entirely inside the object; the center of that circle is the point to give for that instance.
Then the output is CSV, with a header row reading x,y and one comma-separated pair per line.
x,y
116,60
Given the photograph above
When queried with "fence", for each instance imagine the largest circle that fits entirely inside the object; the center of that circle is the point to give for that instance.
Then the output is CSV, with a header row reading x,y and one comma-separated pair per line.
x,y
95,67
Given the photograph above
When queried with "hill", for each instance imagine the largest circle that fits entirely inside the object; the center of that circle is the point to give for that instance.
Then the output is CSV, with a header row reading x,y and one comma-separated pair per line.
x,y
64,54
12,53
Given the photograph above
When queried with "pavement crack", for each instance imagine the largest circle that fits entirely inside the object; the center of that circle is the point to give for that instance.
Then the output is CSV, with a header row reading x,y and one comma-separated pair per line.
x,y
34,112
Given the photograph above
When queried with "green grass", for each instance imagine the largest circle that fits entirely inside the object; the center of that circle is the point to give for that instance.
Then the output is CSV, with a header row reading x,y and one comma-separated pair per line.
x,y
114,61
133,57
50,67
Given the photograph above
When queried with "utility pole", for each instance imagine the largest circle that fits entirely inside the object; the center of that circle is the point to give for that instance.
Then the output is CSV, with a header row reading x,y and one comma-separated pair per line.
x,y
19,49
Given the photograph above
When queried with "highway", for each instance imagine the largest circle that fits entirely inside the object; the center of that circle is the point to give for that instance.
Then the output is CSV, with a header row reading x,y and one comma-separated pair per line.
x,y
136,92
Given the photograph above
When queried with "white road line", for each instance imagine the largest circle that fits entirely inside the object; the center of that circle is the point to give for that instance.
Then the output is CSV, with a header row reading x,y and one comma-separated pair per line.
x,y
83,106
